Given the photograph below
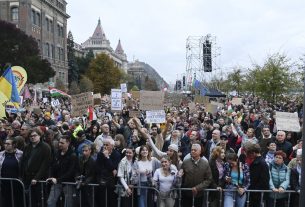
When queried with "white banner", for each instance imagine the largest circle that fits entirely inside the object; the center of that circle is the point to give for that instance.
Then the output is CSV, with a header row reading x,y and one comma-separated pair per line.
x,y
157,116
116,100
287,121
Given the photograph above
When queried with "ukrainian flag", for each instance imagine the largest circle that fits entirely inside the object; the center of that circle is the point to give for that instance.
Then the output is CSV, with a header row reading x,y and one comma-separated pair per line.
x,y
8,86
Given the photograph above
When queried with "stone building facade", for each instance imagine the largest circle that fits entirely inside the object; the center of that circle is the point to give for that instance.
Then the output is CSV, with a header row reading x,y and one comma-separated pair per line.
x,y
99,43
46,21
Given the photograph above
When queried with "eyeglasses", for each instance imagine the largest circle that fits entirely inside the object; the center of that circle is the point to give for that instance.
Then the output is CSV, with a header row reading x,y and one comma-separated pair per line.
x,y
34,135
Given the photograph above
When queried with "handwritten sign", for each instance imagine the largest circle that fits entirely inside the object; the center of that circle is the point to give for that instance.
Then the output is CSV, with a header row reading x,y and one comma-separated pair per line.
x,y
151,100
157,116
211,108
134,114
124,88
287,121
80,103
116,99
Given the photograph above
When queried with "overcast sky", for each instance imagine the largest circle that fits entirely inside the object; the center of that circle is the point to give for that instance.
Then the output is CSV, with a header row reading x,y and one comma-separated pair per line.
x,y
155,31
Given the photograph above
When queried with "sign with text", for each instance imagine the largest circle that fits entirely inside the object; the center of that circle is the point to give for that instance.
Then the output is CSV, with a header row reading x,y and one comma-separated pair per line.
x,y
124,87
151,100
80,103
157,116
55,102
221,105
237,101
287,121
116,99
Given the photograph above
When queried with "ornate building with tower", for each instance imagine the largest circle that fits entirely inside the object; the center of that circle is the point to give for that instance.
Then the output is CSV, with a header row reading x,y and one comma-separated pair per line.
x,y
99,43
46,21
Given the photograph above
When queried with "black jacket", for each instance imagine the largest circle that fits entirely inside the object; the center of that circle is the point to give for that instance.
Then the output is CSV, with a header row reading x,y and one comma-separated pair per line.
x,y
87,169
259,174
65,167
35,162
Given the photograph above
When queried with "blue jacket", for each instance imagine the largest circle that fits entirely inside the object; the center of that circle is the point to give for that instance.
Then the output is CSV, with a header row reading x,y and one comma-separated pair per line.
x,y
279,177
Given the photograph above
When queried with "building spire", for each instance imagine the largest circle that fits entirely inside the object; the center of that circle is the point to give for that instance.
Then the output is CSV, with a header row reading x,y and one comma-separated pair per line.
x,y
119,48
98,32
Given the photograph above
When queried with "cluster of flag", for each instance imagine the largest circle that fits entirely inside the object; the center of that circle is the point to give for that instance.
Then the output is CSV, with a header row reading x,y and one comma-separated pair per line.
x,y
198,86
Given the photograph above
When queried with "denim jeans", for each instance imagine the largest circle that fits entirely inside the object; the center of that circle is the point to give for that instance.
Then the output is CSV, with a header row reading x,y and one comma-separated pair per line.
x,y
230,196
142,199
55,193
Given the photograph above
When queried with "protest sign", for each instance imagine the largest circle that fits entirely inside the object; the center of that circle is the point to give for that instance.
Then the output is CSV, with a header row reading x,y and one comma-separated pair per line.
x,y
201,99
116,99
237,101
97,99
45,100
192,107
287,121
157,116
134,114
135,94
173,99
80,103
211,108
55,102
124,87
151,100
221,105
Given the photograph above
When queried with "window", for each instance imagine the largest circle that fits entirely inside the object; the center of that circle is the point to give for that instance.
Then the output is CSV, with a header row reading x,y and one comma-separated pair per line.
x,y
58,30
57,53
47,24
33,17
51,26
47,52
38,19
62,54
14,13
52,51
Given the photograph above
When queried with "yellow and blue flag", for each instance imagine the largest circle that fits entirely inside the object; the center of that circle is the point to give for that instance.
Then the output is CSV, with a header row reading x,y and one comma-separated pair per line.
x,y
8,86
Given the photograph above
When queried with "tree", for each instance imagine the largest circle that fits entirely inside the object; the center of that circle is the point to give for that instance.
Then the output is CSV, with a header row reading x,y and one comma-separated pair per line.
x,y
274,78
235,80
150,84
72,64
85,84
17,48
104,74
251,78
83,62
74,89
60,85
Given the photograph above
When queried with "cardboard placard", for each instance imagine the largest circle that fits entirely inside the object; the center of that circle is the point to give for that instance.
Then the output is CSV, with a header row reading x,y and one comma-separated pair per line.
x,y
80,103
157,116
201,99
211,108
287,121
237,101
151,100
135,94
192,107
221,105
135,114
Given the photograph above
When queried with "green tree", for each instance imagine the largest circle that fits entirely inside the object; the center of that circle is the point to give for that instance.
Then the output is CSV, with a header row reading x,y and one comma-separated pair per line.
x,y
17,48
275,78
85,84
72,64
235,80
74,88
104,74
251,78
83,62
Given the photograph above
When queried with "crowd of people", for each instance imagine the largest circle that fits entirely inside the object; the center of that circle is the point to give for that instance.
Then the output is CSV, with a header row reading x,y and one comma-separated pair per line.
x,y
234,151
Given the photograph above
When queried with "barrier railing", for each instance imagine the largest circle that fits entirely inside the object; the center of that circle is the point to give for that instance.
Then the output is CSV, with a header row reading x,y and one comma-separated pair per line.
x,y
89,192
15,187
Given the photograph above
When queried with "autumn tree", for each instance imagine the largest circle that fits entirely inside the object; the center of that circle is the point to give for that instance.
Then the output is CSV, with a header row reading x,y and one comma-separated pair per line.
x,y
104,74
74,88
235,80
83,62
17,48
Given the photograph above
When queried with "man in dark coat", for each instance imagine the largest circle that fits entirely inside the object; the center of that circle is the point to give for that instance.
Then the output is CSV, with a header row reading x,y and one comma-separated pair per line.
x,y
259,174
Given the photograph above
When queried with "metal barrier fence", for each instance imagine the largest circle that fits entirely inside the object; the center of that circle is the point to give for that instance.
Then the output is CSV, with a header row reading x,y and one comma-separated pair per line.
x,y
43,191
